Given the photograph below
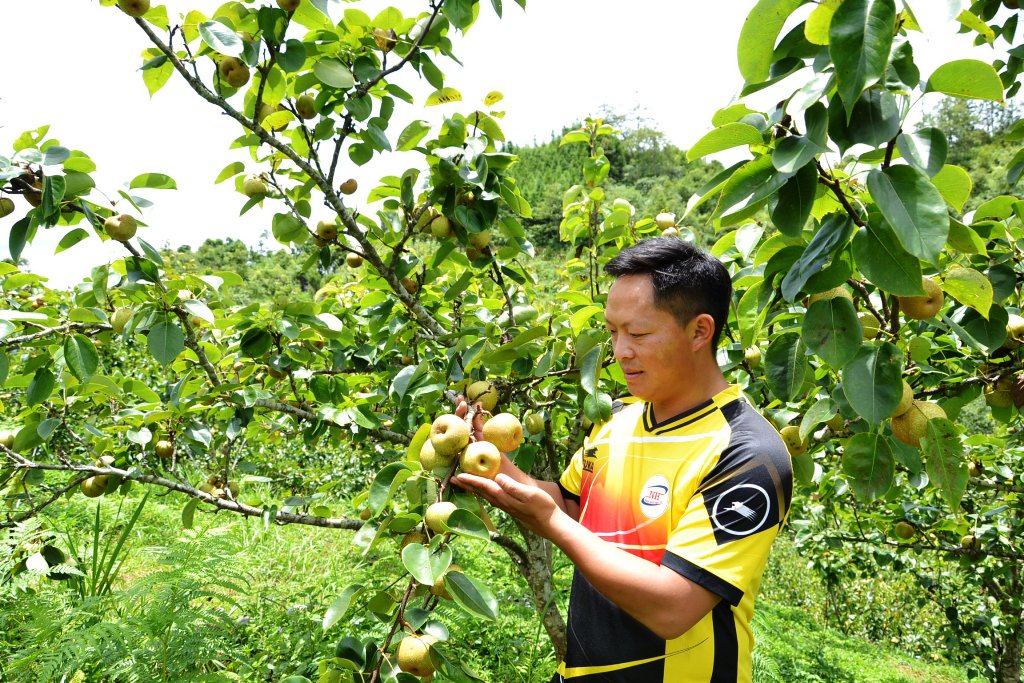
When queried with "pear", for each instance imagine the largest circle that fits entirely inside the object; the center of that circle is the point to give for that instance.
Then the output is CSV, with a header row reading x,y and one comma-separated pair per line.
x,y
913,424
484,393
134,8
449,434
437,515
906,400
923,307
481,458
121,228
414,655
794,444
504,431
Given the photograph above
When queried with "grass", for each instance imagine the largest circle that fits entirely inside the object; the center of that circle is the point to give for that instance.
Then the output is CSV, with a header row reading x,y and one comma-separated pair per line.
x,y
293,574
801,651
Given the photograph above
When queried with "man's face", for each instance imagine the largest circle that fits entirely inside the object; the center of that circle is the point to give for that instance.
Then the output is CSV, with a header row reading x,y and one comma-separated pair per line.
x,y
655,352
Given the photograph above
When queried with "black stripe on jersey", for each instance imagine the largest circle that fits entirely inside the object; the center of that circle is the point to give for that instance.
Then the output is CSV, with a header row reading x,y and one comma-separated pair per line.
x,y
726,648
730,594
675,422
751,487
567,494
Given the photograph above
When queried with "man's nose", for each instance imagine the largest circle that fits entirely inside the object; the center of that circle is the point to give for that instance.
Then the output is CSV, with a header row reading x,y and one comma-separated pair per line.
x,y
621,347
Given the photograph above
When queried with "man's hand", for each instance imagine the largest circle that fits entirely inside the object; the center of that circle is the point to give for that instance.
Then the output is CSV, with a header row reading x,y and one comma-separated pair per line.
x,y
527,502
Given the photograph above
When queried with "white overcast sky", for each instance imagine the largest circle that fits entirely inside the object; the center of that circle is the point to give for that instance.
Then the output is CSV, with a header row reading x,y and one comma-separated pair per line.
x,y
556,63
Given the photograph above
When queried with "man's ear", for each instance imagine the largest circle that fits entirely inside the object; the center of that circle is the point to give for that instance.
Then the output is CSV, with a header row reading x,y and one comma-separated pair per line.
x,y
702,331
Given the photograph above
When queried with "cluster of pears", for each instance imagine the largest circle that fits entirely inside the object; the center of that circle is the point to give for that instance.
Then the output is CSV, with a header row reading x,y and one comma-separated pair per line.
x,y
909,422
217,487
450,437
97,485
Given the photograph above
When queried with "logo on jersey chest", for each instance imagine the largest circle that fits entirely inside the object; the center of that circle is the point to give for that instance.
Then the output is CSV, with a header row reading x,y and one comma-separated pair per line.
x,y
589,456
654,497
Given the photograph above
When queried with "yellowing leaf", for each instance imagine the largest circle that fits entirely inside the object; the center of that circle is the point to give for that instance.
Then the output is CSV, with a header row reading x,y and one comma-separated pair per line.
x,y
818,21
444,96
954,184
969,287
493,97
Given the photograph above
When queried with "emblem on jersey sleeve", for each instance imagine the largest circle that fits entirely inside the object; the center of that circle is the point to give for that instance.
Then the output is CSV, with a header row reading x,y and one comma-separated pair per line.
x,y
654,497
741,506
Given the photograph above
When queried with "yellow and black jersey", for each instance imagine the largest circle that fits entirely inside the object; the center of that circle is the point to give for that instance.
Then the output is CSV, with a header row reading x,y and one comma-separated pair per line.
x,y
703,493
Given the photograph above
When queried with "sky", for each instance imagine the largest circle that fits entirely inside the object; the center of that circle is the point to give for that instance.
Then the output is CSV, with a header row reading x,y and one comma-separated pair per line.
x,y
672,63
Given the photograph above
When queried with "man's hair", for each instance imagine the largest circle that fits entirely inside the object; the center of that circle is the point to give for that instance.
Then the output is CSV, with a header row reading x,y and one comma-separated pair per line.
x,y
687,280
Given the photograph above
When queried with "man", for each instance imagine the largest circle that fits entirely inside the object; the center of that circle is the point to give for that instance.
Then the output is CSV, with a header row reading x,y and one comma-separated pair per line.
x,y
669,509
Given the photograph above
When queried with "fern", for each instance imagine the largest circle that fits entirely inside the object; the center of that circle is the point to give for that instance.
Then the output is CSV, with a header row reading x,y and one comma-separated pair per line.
x,y
173,624
764,667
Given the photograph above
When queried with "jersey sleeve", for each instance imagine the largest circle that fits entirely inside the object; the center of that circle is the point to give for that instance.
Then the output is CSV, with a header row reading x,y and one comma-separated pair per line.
x,y
571,481
722,538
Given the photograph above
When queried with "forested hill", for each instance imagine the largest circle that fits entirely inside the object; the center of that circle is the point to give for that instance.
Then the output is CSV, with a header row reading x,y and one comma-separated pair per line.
x,y
645,169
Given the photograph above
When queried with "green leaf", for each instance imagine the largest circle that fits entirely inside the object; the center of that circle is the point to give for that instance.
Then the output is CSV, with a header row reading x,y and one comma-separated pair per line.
x,y
200,310
926,149
1015,168
823,410
340,605
154,181
221,38
752,182
465,523
725,137
945,461
412,453
460,12
955,185
166,341
156,78
41,386
333,73
831,237
869,465
913,207
831,330
472,596
757,37
872,381
967,79
255,342
965,240
590,366
425,565
70,239
81,356
412,134
292,55
860,37
55,155
884,261
875,118
230,171
786,365
969,287
188,513
384,485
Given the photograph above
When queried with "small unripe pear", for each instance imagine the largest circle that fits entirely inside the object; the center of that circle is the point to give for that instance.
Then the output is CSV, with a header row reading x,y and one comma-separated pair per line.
x,y
794,444
483,392
121,227
437,515
305,106
134,8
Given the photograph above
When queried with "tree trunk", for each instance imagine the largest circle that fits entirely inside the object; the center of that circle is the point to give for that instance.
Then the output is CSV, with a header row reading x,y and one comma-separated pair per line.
x,y
1008,668
537,572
